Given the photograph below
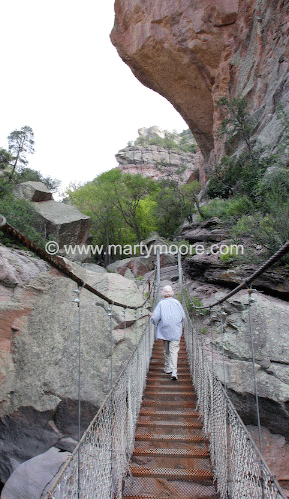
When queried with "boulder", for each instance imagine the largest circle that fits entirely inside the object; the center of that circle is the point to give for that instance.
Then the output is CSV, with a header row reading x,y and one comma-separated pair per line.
x,y
207,230
140,265
93,267
63,222
32,191
34,478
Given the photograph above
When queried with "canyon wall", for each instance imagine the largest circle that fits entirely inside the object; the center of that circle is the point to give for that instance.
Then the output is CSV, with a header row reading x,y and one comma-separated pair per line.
x,y
193,52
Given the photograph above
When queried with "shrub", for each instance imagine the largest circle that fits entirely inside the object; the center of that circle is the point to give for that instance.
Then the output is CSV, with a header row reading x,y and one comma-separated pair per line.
x,y
230,256
228,208
21,215
190,301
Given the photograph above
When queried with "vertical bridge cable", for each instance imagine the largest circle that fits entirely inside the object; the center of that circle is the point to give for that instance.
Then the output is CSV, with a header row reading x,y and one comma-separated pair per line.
x,y
77,301
254,368
222,320
109,313
250,301
158,273
180,273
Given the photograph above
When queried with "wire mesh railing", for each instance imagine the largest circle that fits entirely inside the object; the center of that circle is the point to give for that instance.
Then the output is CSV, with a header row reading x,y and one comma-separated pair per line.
x,y
239,468
98,464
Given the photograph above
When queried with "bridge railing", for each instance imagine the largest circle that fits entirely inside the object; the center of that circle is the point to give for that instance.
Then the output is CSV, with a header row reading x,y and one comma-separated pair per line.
x,y
239,468
99,462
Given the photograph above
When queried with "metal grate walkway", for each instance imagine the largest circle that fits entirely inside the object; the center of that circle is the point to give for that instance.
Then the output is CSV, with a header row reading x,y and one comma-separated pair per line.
x,y
171,456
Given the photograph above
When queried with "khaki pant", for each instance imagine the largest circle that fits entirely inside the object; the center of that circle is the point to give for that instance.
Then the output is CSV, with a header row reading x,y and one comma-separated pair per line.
x,y
171,350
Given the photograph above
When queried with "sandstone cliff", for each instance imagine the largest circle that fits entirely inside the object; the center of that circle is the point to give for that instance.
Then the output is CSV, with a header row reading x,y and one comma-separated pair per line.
x,y
193,53
159,154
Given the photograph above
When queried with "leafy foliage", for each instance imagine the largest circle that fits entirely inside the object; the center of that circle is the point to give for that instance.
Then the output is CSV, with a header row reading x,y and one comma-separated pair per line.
x,y
228,209
174,204
171,141
245,185
5,158
5,186
239,174
21,215
119,205
20,143
126,208
28,174
269,222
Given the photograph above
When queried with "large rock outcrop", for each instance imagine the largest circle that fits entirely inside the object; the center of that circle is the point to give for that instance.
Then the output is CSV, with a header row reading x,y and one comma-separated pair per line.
x,y
157,163
39,352
193,53
270,329
61,222
148,155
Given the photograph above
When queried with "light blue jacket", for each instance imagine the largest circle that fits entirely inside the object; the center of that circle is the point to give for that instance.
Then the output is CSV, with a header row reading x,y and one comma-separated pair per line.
x,y
169,317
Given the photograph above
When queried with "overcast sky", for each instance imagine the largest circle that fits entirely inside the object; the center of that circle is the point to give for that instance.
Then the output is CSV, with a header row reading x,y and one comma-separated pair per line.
x,y
61,75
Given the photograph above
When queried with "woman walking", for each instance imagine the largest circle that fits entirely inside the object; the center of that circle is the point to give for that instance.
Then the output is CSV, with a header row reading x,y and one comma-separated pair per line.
x,y
169,317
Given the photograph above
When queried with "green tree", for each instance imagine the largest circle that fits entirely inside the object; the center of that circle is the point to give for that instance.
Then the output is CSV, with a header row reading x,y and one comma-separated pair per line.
x,y
94,199
190,193
28,174
120,207
20,143
129,191
174,204
237,124
5,158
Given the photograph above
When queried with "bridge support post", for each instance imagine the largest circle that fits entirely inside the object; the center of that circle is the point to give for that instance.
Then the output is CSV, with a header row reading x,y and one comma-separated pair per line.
x,y
180,273
158,273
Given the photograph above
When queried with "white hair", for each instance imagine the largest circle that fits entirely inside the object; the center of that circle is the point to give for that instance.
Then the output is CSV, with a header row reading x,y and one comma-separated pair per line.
x,y
167,291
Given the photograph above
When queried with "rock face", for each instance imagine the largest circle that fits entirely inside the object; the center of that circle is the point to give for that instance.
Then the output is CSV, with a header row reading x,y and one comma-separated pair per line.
x,y
148,157
157,163
39,352
209,230
61,222
32,191
270,327
193,53
210,269
210,260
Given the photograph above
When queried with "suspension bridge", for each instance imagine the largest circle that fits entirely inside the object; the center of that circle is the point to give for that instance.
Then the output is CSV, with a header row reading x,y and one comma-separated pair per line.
x,y
157,439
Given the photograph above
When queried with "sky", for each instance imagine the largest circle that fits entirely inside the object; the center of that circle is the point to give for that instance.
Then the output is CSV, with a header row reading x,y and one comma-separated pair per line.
x,y
62,77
